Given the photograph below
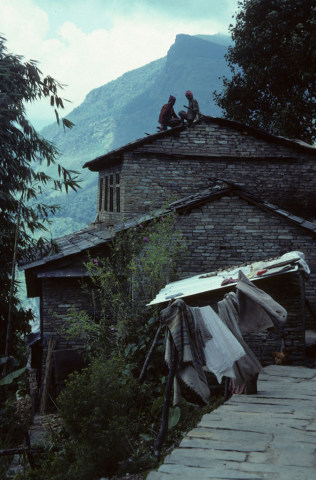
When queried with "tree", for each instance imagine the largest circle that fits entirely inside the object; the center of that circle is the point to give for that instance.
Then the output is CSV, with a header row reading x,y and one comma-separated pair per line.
x,y
141,261
273,62
22,151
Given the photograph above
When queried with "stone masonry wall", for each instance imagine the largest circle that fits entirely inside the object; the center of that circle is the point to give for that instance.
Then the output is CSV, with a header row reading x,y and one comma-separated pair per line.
x,y
59,297
282,175
288,291
229,231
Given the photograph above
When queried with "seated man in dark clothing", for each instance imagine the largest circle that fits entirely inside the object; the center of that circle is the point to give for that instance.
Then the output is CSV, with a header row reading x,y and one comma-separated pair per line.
x,y
193,111
168,117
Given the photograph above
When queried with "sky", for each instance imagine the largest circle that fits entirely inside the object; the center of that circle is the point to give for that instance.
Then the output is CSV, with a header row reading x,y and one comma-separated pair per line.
x,y
85,44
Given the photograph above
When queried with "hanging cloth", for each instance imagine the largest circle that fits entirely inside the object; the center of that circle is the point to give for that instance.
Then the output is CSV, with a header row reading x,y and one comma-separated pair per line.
x,y
246,367
257,310
222,350
180,322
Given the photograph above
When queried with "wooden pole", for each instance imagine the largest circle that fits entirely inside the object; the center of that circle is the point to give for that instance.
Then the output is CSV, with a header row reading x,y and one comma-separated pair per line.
x,y
151,351
29,455
31,451
51,345
166,403
227,379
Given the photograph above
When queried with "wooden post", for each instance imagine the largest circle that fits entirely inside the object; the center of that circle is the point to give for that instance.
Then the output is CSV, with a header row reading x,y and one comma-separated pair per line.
x,y
30,457
227,380
32,451
165,409
251,386
151,351
51,345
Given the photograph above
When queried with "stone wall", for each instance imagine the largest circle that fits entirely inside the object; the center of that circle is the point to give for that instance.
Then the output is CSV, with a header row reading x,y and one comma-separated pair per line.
x,y
286,289
59,297
181,164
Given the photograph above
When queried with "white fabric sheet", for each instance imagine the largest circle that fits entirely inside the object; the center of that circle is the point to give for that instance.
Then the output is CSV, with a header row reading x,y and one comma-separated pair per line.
x,y
223,350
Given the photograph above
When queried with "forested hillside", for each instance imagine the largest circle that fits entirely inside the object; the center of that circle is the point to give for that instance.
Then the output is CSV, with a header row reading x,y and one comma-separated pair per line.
x,y
122,110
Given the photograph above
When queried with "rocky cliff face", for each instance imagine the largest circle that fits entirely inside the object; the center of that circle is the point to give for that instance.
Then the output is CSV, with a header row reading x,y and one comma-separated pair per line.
x,y
122,110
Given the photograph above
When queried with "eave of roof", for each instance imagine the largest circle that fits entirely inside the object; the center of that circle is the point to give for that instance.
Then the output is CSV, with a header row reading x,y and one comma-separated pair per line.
x,y
88,238
208,282
100,162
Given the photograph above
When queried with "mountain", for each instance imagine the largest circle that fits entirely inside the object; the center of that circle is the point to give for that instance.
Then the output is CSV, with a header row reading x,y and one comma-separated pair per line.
x,y
122,110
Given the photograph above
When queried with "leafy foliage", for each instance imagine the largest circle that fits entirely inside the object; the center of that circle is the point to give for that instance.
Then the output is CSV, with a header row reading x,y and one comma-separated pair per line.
x,y
97,411
142,260
8,379
15,419
273,63
22,148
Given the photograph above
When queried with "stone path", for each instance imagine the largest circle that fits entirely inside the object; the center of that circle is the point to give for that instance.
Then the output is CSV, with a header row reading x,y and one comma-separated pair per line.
x,y
269,436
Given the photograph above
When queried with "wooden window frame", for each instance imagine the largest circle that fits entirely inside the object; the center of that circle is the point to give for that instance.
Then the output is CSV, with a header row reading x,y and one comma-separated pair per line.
x,y
100,193
106,194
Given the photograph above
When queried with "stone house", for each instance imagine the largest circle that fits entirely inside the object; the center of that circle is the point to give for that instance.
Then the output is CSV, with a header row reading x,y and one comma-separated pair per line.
x,y
264,205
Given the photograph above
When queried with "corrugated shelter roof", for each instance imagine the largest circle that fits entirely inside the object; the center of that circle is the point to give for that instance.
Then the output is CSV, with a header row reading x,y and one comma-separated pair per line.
x,y
100,162
90,238
212,281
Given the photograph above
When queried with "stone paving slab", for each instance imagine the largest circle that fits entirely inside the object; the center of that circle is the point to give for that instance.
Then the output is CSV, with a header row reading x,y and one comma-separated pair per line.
x,y
293,372
269,436
234,445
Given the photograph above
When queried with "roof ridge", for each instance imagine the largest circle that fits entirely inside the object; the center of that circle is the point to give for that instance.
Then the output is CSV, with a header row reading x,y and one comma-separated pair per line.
x,y
287,142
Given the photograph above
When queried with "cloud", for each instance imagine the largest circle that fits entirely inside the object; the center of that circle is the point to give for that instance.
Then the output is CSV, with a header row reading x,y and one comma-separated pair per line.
x,y
24,25
65,38
190,10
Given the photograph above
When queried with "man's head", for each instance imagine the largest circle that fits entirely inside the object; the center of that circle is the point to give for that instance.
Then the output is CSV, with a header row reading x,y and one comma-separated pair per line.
x,y
189,94
172,100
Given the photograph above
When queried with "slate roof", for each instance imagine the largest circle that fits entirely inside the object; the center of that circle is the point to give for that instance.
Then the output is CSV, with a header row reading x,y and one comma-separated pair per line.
x,y
98,163
90,238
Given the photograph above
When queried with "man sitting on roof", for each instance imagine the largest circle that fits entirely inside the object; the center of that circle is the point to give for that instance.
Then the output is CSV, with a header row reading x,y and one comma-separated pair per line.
x,y
168,117
193,110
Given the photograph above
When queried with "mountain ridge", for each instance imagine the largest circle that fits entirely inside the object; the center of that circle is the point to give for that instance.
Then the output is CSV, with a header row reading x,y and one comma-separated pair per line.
x,y
123,109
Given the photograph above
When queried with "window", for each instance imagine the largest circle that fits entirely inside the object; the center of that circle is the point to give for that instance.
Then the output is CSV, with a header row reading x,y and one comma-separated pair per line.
x,y
112,182
118,194
106,193
100,193
118,199
111,193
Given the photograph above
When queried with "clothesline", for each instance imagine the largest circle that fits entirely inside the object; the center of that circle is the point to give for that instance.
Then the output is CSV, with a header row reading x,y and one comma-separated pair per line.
x,y
206,341
199,340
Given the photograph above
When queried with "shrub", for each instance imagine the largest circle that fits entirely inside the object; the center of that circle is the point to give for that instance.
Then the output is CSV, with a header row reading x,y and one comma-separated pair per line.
x,y
95,407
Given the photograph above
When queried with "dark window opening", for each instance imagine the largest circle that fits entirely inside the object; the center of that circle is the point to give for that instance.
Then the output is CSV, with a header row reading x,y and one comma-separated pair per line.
x,y
106,193
118,199
117,178
111,179
111,198
100,193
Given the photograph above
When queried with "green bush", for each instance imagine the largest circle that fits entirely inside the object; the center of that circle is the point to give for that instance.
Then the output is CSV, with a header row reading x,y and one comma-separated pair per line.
x,y
95,407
